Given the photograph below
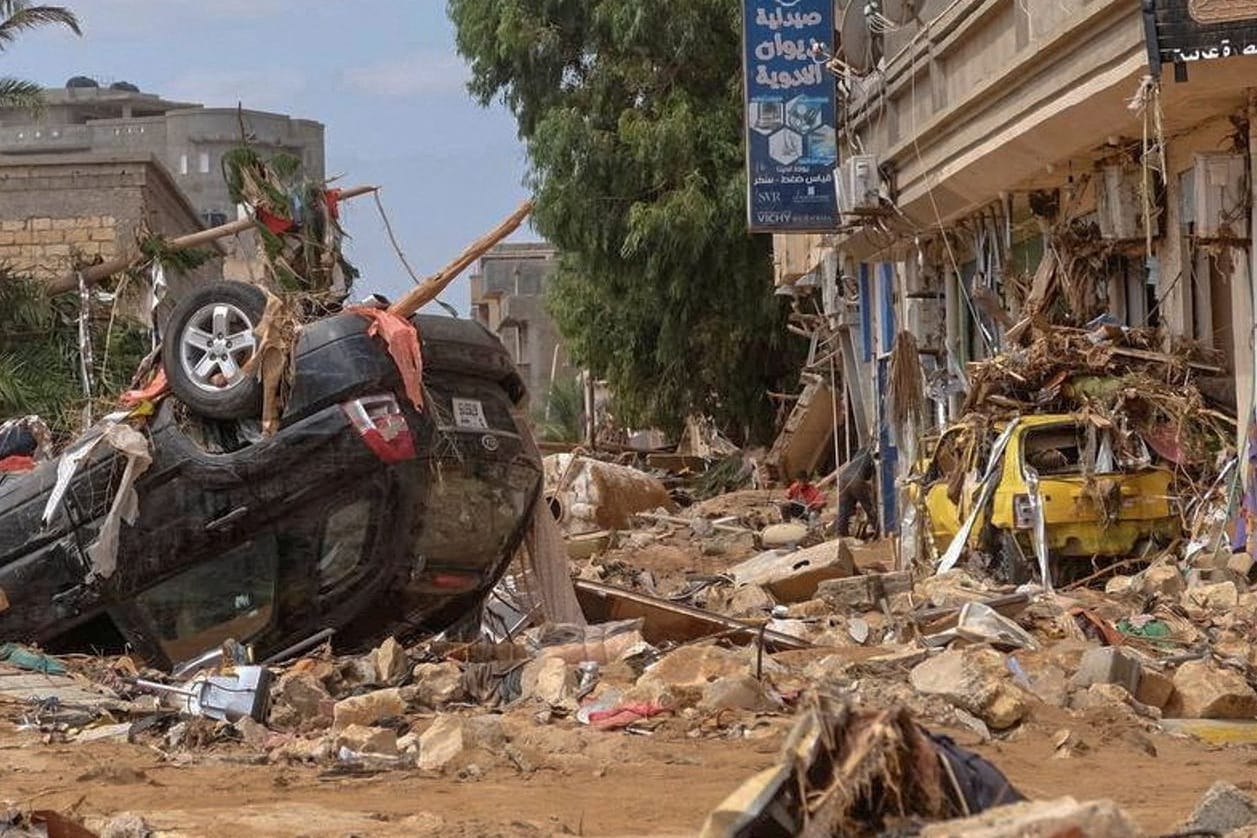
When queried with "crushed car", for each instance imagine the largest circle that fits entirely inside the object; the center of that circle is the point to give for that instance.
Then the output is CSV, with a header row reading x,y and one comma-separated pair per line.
x,y
1096,498
361,513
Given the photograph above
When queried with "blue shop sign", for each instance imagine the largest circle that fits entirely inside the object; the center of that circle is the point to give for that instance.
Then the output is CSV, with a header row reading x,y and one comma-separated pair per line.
x,y
791,143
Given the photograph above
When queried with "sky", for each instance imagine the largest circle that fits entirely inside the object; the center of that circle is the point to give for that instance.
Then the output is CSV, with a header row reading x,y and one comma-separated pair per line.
x,y
382,76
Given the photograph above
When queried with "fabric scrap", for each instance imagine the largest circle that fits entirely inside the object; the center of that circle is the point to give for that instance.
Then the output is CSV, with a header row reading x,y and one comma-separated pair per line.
x,y
624,715
132,444
402,339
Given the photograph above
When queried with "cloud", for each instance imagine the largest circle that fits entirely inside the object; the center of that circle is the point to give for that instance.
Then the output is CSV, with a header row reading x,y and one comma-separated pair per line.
x,y
260,89
421,73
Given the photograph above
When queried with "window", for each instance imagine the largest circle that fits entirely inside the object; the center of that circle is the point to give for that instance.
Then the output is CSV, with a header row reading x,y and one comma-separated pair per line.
x,y
344,543
202,162
488,502
183,164
230,596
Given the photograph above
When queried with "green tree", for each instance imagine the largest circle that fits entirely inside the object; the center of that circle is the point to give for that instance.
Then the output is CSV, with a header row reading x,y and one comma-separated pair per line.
x,y
561,418
631,111
16,17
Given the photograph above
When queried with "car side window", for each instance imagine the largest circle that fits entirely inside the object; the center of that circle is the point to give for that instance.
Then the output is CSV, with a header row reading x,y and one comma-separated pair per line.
x,y
344,543
951,452
229,596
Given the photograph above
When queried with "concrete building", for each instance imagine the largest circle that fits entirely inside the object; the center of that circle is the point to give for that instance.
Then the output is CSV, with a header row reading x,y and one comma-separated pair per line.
x,y
58,212
187,139
971,129
508,297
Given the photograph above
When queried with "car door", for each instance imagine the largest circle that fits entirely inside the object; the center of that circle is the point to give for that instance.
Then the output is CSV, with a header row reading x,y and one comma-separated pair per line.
x,y
944,484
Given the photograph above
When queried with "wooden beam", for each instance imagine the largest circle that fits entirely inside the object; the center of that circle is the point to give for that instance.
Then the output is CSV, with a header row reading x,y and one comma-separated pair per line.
x,y
96,273
428,290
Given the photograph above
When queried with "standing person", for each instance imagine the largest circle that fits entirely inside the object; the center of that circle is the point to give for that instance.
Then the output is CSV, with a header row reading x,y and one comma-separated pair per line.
x,y
855,488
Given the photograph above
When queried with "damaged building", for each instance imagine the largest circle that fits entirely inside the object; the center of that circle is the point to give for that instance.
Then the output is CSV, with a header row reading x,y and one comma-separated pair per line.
x,y
978,139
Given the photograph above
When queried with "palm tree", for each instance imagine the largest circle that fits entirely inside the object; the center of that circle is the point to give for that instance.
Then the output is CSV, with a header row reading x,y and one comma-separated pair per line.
x,y
17,16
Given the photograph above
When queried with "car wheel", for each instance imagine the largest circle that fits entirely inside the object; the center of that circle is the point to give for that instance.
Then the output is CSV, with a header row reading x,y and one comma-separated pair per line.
x,y
208,340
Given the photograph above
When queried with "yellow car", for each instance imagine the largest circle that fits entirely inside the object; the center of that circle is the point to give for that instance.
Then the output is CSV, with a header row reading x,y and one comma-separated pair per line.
x,y
1096,500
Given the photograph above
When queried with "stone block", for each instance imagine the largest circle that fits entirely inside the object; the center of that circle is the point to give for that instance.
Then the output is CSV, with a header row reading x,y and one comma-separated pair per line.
x,y
361,739
368,708
436,684
39,224
1155,689
1163,580
448,737
390,661
1220,596
551,680
975,680
1108,665
1240,563
1223,809
738,692
1202,691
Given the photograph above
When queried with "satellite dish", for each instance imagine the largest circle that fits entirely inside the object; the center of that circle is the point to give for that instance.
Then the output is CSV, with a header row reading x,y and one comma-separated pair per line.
x,y
902,12
856,38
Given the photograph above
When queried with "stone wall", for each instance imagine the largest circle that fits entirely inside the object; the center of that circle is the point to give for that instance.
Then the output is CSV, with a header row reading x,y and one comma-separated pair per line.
x,y
62,212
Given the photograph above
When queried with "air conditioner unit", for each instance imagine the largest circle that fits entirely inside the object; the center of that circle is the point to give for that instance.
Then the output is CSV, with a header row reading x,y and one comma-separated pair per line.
x,y
1215,196
1119,204
858,183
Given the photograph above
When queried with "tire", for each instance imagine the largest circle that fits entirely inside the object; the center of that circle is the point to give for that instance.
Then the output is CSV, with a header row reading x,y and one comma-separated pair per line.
x,y
209,337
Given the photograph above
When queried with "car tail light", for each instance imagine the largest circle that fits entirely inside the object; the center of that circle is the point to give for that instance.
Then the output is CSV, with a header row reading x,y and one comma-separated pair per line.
x,y
1023,512
382,426
454,581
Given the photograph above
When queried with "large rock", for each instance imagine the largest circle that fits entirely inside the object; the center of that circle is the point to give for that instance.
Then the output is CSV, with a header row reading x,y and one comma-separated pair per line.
x,y
299,701
1223,808
378,741
685,673
436,684
1108,665
1041,819
390,661
1202,691
368,708
783,535
1155,689
975,680
1221,596
448,737
794,577
863,593
551,680
1162,580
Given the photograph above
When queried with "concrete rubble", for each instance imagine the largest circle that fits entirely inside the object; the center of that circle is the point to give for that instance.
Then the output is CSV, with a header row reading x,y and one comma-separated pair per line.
x,y
1128,657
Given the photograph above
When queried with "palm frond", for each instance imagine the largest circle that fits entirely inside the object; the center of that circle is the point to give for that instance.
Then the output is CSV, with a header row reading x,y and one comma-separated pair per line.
x,y
18,16
17,93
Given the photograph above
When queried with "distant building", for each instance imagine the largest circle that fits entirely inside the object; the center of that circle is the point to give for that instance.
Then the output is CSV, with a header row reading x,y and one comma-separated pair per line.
x,y
188,139
507,296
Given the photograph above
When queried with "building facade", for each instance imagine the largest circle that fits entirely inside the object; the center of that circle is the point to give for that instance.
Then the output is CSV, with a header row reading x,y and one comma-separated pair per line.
x,y
976,136
508,297
187,139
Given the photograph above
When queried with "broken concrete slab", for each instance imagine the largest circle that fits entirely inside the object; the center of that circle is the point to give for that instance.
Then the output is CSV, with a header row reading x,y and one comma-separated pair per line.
x,y
788,534
1041,819
1108,665
368,708
1223,808
300,700
1203,691
863,593
794,576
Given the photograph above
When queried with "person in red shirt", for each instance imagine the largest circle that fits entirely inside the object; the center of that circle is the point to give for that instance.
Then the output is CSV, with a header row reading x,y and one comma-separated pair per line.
x,y
803,499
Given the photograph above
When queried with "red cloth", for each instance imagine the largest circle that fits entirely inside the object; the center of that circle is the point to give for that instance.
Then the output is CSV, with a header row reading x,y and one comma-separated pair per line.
x,y
332,198
17,462
274,223
624,715
806,494
403,344
154,390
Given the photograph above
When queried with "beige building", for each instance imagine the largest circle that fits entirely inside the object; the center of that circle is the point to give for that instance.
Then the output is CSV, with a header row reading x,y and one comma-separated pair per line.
x,y
508,297
975,133
62,212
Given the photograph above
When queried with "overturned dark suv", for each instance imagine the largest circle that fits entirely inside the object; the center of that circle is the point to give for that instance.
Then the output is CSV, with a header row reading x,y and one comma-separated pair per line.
x,y
361,513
